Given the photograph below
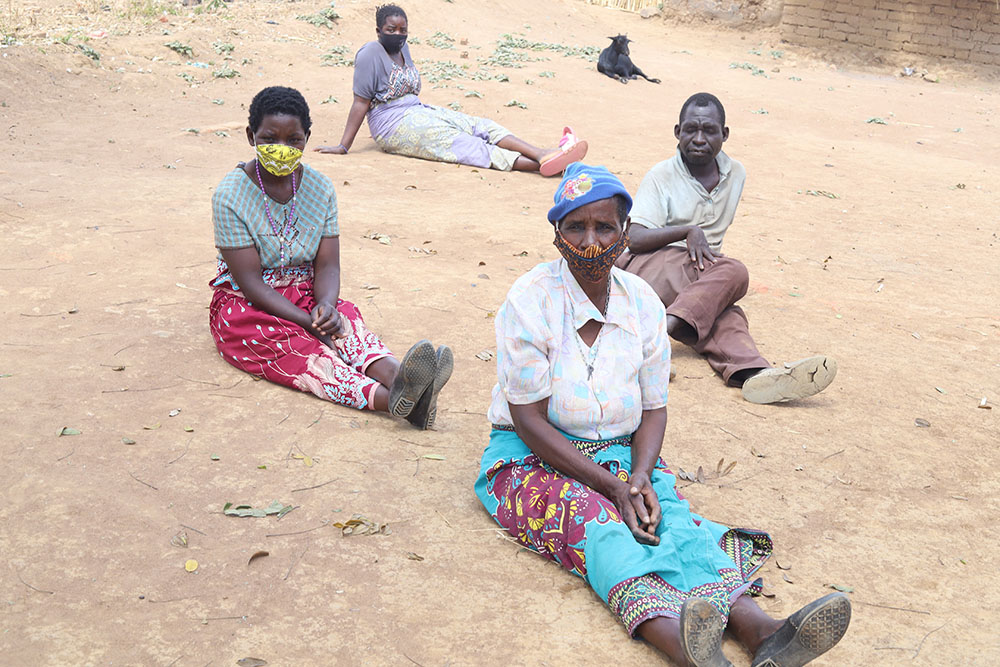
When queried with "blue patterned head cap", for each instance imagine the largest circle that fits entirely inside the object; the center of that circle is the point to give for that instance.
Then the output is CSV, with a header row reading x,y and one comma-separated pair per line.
x,y
583,184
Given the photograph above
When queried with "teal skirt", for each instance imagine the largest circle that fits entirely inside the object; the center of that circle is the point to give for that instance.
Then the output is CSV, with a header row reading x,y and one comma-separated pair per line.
x,y
580,529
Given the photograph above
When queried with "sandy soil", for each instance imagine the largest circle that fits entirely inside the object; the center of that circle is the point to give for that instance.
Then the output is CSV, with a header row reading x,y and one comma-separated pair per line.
x,y
107,251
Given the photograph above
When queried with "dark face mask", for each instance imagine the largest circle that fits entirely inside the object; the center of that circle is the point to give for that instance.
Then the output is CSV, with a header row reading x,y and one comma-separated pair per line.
x,y
591,269
391,43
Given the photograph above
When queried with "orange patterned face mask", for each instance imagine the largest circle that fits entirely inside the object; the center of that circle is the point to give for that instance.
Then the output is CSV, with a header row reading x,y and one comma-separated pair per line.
x,y
592,264
279,159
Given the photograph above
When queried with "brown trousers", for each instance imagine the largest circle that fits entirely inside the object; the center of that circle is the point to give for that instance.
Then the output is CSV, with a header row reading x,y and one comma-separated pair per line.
x,y
706,300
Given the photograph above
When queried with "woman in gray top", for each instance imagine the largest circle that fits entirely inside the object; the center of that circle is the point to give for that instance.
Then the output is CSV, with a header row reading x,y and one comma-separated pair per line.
x,y
386,85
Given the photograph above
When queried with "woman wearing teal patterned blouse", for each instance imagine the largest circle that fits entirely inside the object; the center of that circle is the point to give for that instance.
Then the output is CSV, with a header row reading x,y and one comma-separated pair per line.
x,y
277,312
573,468
386,85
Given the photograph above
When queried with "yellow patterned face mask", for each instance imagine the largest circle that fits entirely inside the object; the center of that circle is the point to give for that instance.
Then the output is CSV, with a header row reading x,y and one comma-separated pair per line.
x,y
279,159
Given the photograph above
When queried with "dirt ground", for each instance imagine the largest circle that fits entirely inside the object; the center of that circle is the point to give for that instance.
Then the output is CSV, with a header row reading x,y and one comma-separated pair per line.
x,y
108,249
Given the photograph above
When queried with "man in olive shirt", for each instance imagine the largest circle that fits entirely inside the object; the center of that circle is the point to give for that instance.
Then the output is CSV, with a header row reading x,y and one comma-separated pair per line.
x,y
681,213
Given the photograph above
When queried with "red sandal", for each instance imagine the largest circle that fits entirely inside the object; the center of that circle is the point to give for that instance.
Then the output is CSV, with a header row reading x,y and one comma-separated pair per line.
x,y
570,150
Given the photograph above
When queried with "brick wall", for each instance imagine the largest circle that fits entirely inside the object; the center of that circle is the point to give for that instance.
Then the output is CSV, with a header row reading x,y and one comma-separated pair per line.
x,y
966,30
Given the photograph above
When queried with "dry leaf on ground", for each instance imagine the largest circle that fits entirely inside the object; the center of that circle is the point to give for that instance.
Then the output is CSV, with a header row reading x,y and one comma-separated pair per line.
x,y
276,507
256,555
359,525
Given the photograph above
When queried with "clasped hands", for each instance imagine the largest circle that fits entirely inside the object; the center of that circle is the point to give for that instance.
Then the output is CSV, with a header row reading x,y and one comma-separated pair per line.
x,y
327,323
639,507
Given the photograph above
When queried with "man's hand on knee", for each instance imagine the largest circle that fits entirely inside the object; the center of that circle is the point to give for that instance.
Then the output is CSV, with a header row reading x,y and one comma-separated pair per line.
x,y
698,249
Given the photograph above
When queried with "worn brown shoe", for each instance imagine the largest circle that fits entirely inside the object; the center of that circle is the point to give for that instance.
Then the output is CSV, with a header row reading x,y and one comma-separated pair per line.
x,y
807,634
795,380
701,634
425,412
416,372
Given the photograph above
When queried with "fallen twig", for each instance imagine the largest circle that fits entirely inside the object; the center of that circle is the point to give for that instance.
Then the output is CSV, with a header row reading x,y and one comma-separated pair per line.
x,y
299,532
885,606
830,456
420,444
186,447
116,391
66,457
753,413
514,542
411,660
142,482
310,488
487,310
214,384
37,590
725,430
916,651
194,529
232,385
285,578
743,479
921,645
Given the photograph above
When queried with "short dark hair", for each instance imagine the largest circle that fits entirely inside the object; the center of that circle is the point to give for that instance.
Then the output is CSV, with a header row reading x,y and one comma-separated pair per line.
x,y
279,100
703,100
383,12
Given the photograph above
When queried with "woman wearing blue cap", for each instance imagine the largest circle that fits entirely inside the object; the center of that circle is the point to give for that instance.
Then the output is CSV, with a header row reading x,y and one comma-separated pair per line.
x,y
573,471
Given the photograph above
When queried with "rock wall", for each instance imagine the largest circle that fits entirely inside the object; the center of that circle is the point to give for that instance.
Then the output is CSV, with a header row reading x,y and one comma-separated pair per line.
x,y
965,30
739,13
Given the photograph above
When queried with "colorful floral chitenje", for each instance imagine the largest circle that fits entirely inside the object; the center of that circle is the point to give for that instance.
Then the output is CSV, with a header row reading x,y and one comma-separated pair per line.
x,y
580,529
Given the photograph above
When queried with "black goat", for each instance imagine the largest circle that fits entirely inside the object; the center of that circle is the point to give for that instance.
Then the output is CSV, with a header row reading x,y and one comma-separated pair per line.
x,y
614,61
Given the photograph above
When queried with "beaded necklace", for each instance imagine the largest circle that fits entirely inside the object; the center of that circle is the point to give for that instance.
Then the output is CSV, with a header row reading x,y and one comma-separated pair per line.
x,y
290,216
590,359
